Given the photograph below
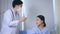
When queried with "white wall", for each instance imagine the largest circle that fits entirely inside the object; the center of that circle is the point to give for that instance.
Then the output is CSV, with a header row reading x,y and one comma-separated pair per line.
x,y
4,5
0,15
58,14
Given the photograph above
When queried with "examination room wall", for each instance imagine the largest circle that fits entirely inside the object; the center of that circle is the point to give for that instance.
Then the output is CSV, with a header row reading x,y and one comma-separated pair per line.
x,y
0,16
58,14
4,5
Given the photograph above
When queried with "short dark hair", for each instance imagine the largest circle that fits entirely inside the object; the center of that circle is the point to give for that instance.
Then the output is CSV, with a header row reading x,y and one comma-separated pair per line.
x,y
43,19
16,2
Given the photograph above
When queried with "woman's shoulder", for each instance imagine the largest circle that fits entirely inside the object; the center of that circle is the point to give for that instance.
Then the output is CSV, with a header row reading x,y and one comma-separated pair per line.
x,y
46,30
34,28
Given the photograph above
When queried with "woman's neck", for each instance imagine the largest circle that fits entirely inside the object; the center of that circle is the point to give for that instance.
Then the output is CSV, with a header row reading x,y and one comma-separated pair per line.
x,y
41,27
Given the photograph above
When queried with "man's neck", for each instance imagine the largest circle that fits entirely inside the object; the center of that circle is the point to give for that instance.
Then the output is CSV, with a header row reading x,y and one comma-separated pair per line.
x,y
15,10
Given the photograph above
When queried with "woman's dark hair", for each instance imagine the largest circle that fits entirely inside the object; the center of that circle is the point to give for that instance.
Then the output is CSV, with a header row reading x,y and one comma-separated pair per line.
x,y
43,19
16,2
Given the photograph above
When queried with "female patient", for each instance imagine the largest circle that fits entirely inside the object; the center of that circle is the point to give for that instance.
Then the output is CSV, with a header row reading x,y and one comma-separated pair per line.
x,y
41,26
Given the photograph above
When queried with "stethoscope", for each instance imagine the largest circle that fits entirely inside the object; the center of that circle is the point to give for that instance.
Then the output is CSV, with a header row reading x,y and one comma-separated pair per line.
x,y
12,18
12,14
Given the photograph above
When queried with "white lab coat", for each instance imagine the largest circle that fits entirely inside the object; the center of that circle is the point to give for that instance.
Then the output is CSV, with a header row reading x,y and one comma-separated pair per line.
x,y
9,26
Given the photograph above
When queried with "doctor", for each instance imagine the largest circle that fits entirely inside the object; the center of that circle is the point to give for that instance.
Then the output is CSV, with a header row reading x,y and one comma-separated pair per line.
x,y
12,17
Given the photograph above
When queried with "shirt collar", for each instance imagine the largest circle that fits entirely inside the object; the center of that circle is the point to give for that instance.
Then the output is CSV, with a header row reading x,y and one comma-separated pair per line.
x,y
12,9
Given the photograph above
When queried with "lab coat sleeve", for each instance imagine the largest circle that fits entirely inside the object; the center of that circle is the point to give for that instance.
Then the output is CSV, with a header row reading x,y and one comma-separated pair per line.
x,y
14,23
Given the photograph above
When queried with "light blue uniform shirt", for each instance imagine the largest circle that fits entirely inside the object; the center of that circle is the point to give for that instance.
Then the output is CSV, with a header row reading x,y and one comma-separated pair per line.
x,y
36,30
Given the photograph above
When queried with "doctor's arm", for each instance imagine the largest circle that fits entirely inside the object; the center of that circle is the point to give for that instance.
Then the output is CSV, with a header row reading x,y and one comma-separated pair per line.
x,y
14,23
8,19
22,19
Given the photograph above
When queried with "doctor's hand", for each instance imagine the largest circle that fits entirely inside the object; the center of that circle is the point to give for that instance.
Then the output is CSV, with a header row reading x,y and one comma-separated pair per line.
x,y
23,19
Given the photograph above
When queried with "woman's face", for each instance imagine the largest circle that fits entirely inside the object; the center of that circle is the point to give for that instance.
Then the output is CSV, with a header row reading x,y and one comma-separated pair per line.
x,y
38,21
